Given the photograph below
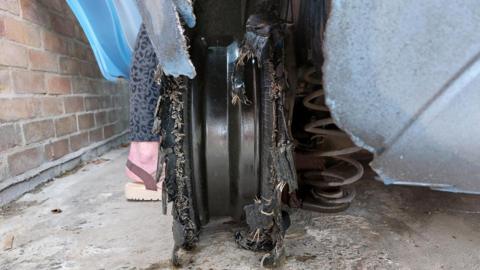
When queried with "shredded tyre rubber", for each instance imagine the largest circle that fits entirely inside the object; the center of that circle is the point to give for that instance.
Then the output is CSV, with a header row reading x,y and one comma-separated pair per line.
x,y
170,122
268,217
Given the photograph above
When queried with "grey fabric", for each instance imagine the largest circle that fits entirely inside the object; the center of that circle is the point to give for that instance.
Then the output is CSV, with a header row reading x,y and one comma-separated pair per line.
x,y
162,21
144,92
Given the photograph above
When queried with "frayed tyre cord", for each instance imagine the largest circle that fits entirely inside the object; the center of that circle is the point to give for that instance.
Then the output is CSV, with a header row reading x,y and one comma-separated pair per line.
x,y
177,187
267,217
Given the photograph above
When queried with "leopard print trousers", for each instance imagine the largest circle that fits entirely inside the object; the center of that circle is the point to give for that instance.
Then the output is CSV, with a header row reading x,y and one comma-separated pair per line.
x,y
144,91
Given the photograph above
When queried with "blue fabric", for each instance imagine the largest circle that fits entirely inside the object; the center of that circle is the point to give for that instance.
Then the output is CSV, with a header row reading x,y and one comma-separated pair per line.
x,y
106,30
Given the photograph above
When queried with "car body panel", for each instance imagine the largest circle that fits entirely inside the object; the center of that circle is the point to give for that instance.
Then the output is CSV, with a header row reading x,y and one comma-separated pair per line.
x,y
402,78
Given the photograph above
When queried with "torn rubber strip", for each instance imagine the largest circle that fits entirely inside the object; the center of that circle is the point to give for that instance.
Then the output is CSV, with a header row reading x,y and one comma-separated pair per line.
x,y
267,217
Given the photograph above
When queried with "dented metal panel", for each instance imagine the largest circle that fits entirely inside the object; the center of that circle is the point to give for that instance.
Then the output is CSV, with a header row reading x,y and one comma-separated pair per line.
x,y
402,78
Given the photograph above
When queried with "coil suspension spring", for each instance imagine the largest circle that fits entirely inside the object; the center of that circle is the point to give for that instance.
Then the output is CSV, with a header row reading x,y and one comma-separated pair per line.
x,y
330,187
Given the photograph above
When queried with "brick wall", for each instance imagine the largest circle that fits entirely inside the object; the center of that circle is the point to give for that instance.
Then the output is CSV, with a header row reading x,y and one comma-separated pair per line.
x,y
53,100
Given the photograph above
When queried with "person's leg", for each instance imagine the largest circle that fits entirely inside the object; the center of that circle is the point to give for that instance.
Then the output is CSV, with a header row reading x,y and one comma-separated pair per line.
x,y
144,94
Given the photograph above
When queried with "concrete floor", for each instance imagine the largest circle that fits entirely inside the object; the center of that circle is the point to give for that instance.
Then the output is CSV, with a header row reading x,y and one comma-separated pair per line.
x,y
386,228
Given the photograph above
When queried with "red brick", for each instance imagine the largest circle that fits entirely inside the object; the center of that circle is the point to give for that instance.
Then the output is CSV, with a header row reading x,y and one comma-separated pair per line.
x,y
90,56
82,85
52,106
62,25
57,149
110,88
78,50
121,86
70,48
90,70
120,101
100,118
25,160
96,71
97,86
82,36
68,13
13,55
74,104
69,66
92,103
86,121
18,108
54,43
108,131
105,102
79,34
112,115
21,32
66,125
5,81
79,141
9,137
2,27
28,82
96,135
38,131
124,113
117,101
10,6
55,5
34,11
59,85
44,61
120,126
117,127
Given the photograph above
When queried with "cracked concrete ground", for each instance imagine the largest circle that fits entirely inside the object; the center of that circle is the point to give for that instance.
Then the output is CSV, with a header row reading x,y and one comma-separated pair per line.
x,y
386,228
